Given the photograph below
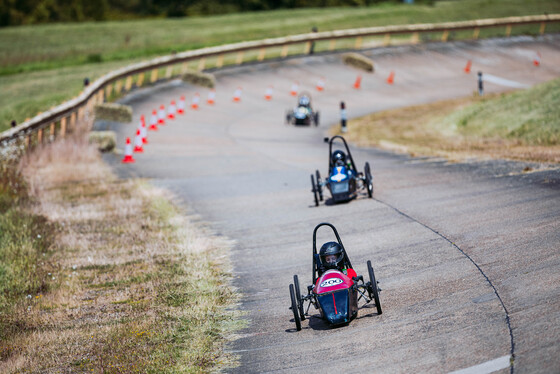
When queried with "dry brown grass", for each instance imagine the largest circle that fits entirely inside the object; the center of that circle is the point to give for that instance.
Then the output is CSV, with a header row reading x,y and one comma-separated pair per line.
x,y
137,287
414,130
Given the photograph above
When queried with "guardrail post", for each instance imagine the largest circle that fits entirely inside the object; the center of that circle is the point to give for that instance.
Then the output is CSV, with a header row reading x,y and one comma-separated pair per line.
x,y
414,38
508,30
51,137
387,40
63,126
358,44
444,36
307,48
284,51
543,25
332,44
220,61
100,98
27,141
476,31
40,136
128,84
109,89
184,67
154,76
201,64
239,59
140,80
118,87
169,71
262,52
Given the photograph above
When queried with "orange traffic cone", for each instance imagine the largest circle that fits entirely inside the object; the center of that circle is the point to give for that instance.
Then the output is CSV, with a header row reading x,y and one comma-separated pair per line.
x,y
144,132
171,110
537,59
321,84
181,105
161,115
237,95
391,78
153,121
468,67
128,153
358,82
195,101
138,142
211,97
295,88
268,93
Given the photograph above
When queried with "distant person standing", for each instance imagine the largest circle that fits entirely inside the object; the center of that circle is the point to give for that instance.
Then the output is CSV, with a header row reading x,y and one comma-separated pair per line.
x,y
312,47
480,84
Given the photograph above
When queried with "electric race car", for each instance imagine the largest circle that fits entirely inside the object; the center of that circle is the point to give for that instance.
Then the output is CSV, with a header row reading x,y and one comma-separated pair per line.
x,y
303,114
336,289
343,180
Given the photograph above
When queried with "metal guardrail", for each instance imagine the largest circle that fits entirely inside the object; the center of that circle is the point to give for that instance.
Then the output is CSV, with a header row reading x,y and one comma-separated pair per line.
x,y
63,118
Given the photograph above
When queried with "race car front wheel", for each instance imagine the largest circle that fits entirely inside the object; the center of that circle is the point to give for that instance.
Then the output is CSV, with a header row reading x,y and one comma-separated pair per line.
x,y
373,287
314,190
369,180
294,308
319,185
298,298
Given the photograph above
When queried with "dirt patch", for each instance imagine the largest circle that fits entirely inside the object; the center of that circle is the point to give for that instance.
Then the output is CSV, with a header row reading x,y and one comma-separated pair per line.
x,y
136,286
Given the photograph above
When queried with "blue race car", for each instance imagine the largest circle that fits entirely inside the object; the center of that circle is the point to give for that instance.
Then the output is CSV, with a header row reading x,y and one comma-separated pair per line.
x,y
344,181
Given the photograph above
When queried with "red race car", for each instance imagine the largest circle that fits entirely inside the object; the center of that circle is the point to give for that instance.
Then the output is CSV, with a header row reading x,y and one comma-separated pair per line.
x,y
336,289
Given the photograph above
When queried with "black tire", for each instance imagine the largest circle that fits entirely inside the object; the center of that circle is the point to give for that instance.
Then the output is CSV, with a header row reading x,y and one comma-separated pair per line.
x,y
314,190
288,117
373,287
298,298
319,186
294,308
369,180
316,118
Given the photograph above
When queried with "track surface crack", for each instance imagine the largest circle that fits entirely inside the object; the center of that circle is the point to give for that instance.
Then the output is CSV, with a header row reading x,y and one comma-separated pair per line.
x,y
512,343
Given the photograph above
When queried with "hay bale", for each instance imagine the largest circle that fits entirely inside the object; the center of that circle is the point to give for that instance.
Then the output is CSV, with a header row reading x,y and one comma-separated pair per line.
x,y
106,141
113,112
199,79
358,61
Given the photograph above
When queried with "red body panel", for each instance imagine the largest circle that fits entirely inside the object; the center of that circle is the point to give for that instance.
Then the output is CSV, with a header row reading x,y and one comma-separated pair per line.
x,y
332,280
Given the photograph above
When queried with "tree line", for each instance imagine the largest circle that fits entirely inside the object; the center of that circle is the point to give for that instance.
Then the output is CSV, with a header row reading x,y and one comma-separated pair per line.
x,y
23,12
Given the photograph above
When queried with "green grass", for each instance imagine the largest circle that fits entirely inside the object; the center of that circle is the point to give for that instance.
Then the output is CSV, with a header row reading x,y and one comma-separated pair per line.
x,y
25,243
49,62
522,125
531,116
28,48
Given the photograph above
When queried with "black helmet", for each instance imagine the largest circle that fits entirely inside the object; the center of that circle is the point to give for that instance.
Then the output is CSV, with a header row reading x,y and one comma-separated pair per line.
x,y
331,255
338,157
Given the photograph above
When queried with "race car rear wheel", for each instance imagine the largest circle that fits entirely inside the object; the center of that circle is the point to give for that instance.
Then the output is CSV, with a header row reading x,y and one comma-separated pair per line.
x,y
373,291
298,298
314,190
319,186
369,180
316,118
294,308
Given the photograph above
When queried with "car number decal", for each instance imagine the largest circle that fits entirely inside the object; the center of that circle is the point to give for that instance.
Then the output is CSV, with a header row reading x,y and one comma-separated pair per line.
x,y
331,282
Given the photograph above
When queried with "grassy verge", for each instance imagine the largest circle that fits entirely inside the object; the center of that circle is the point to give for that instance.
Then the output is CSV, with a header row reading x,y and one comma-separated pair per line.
x,y
523,125
49,62
109,277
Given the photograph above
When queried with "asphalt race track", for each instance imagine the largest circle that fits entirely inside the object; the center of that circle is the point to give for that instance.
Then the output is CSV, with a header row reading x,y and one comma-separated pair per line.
x,y
467,254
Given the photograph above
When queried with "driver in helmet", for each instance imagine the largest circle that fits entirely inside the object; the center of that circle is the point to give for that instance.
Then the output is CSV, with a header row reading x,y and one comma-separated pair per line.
x,y
332,256
339,159
304,101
